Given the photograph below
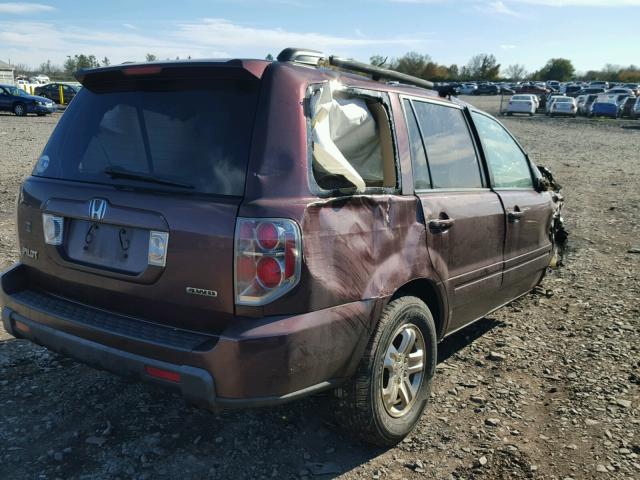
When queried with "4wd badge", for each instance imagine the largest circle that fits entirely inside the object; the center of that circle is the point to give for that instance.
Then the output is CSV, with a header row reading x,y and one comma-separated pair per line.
x,y
202,291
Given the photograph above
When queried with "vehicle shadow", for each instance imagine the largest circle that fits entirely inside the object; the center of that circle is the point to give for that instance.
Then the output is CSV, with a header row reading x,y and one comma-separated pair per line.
x,y
111,427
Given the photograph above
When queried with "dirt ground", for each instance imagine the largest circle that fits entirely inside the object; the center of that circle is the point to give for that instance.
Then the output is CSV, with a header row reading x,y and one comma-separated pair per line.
x,y
547,387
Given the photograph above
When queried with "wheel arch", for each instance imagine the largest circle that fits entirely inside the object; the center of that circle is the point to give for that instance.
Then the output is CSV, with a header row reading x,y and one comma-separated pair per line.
x,y
433,295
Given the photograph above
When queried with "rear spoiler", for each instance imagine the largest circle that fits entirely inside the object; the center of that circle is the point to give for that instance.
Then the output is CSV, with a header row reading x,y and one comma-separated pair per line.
x,y
229,69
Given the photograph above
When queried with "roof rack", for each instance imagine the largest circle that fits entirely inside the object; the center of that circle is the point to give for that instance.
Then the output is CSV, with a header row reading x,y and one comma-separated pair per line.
x,y
316,58
378,73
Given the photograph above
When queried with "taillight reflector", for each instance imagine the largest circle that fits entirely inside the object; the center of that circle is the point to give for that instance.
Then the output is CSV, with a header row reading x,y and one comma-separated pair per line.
x,y
162,374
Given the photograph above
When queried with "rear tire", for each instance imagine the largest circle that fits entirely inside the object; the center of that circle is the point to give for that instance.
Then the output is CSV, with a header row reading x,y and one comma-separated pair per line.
x,y
20,109
385,398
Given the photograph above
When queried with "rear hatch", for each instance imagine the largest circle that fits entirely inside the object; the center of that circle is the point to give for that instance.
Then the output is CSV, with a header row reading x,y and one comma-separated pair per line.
x,y
138,190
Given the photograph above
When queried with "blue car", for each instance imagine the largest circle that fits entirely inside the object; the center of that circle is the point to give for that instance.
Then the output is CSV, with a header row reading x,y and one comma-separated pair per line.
x,y
604,109
16,100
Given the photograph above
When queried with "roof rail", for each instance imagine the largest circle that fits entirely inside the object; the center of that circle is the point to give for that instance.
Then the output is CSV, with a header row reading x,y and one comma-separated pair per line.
x,y
316,58
378,73
301,55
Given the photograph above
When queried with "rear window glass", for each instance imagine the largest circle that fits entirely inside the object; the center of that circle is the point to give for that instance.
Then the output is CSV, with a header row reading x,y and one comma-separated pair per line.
x,y
193,134
450,151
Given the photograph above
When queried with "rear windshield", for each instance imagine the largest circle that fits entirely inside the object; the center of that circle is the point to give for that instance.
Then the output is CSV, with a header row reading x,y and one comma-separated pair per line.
x,y
194,136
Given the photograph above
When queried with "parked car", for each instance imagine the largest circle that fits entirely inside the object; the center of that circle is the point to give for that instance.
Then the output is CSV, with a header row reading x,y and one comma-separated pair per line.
x,y
604,108
549,102
52,91
563,106
634,87
572,90
240,257
585,108
599,84
616,91
591,90
487,89
522,104
535,89
467,89
16,100
625,108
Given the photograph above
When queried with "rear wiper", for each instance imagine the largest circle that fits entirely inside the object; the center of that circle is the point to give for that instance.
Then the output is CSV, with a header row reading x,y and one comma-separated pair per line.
x,y
119,172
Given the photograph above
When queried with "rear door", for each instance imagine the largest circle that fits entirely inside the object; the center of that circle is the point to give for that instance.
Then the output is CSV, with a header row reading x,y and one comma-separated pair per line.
x,y
464,218
528,212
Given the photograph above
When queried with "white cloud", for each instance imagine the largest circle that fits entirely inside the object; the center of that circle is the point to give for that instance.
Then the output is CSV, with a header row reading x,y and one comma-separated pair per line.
x,y
499,8
582,3
35,42
129,26
222,33
547,3
23,8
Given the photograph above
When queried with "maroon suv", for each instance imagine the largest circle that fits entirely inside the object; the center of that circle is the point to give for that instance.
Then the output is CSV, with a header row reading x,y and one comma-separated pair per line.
x,y
251,232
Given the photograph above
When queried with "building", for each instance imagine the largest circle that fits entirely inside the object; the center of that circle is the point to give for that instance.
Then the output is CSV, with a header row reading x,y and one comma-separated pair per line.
x,y
6,73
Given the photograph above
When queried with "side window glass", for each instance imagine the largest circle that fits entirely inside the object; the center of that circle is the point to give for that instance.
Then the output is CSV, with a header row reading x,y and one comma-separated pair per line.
x,y
421,178
450,152
507,162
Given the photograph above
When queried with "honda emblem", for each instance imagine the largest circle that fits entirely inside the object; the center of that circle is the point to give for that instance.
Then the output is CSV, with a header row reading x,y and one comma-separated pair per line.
x,y
97,209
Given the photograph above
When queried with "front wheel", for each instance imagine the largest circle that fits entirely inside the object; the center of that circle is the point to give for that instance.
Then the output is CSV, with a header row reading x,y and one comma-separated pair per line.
x,y
385,398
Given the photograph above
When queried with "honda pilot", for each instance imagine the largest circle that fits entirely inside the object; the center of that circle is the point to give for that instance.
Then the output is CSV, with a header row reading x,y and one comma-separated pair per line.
x,y
251,232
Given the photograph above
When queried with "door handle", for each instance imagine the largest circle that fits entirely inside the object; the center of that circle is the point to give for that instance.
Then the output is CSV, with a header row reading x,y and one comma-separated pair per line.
x,y
441,224
514,215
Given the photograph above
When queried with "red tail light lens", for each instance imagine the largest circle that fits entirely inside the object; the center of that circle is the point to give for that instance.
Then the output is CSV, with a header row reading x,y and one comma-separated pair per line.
x,y
268,272
268,258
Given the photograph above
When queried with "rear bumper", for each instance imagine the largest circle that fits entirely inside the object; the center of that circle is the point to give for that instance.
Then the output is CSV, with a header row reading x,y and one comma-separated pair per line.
x,y
255,362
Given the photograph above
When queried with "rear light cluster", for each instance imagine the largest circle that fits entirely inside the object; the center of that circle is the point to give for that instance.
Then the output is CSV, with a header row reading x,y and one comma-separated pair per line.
x,y
268,259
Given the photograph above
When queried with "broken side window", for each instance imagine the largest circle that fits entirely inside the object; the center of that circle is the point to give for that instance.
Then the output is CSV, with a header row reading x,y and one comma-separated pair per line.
x,y
352,141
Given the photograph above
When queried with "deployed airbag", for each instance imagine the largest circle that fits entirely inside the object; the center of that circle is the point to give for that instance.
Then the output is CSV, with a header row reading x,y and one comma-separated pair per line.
x,y
345,137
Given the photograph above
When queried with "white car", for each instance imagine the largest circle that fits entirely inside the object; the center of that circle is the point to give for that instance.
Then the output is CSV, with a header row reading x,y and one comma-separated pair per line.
x,y
522,104
618,90
467,89
550,100
564,106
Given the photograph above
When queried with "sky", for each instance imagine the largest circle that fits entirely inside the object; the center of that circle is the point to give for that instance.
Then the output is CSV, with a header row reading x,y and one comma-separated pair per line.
x,y
591,33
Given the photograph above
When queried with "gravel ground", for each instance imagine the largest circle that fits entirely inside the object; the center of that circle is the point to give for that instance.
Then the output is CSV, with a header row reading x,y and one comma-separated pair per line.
x,y
547,387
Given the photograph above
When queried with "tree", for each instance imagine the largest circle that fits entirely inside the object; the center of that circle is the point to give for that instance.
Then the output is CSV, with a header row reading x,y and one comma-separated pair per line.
x,y
453,72
269,57
559,69
78,62
412,63
515,72
378,60
150,57
105,62
483,67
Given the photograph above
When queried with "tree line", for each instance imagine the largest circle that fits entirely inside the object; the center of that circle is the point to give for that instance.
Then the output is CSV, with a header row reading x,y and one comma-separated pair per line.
x,y
482,66
485,67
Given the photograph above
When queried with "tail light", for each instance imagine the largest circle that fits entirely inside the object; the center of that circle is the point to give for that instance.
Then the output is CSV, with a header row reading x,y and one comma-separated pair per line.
x,y
268,259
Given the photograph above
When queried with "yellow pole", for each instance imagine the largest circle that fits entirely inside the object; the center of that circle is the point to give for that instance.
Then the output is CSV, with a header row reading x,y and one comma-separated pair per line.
x,y
61,96
32,89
